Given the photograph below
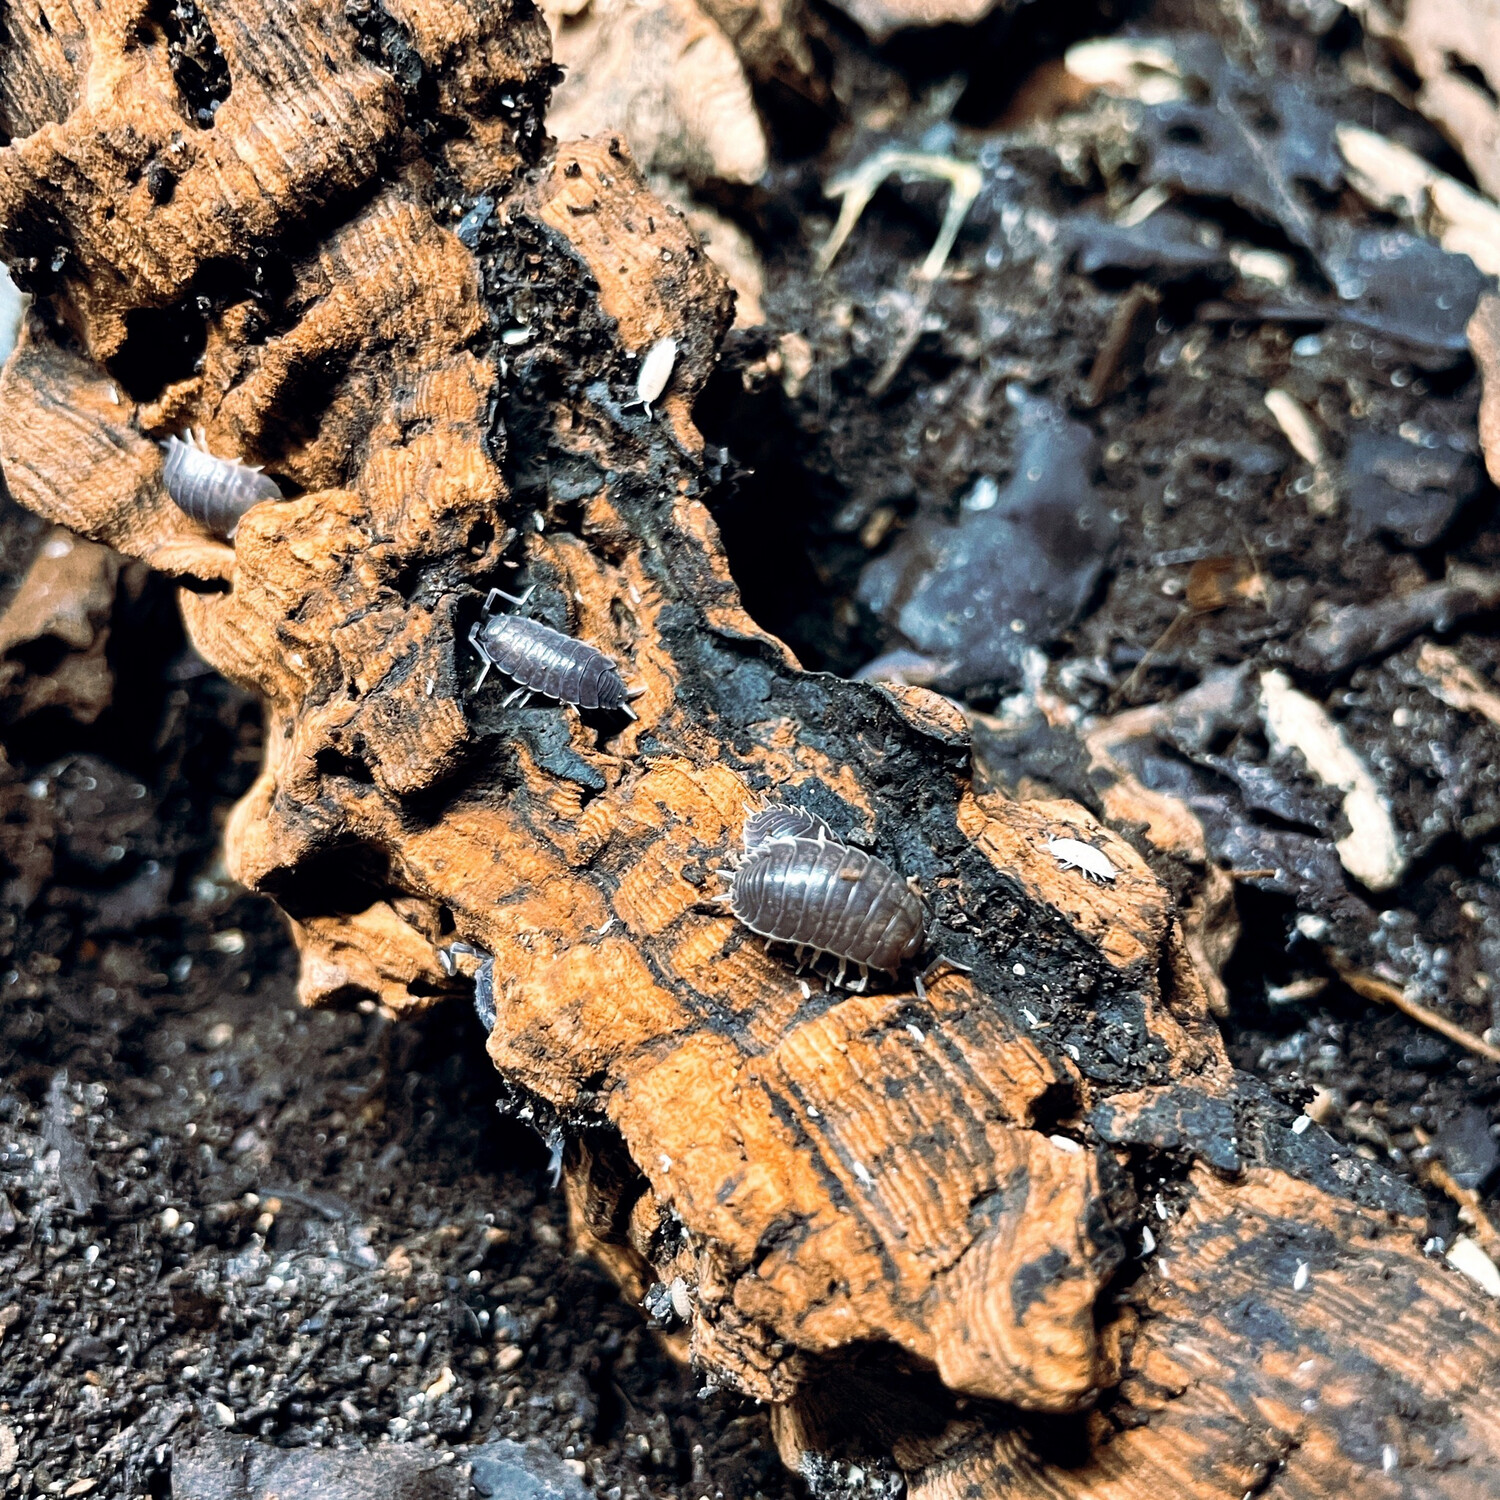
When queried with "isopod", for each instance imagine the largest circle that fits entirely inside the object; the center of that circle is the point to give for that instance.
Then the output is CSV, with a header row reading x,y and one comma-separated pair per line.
x,y
770,823
215,492
484,979
833,899
539,659
656,371
1074,854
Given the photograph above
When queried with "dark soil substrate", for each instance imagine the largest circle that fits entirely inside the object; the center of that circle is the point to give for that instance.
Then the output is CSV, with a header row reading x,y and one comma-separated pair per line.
x,y
219,1212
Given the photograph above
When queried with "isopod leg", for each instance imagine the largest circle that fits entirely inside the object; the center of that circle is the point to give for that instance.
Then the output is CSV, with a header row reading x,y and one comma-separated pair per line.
x,y
839,979
489,599
484,655
858,985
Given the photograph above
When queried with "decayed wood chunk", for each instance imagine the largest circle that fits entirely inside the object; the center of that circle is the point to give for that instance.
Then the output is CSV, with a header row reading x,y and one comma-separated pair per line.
x,y
916,1222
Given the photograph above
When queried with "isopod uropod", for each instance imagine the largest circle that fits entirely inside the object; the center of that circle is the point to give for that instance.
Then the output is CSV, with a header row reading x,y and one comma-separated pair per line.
x,y
1074,854
820,894
539,659
215,492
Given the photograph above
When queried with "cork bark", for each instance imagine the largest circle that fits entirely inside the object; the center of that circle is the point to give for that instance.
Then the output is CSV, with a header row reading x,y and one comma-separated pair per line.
x,y
916,1225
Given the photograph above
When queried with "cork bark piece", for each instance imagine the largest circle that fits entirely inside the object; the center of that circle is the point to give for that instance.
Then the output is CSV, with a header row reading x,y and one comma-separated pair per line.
x,y
913,1218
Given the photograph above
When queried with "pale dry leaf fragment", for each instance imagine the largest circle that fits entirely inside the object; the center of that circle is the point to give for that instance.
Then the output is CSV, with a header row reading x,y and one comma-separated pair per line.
x,y
1371,851
1301,432
1398,180
881,19
1484,341
667,78
1453,46
1466,1256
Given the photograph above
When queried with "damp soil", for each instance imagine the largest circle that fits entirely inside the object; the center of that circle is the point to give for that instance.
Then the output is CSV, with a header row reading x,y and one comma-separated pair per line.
x,y
219,1211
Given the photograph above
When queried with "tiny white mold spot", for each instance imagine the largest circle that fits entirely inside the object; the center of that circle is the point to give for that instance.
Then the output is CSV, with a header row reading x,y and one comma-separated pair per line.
x,y
1299,1281
1148,1241
1300,1124
862,1172
1063,1143
656,371
1074,854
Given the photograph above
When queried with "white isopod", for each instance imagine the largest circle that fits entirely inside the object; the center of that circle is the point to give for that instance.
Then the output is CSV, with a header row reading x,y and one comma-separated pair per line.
x,y
656,371
1074,854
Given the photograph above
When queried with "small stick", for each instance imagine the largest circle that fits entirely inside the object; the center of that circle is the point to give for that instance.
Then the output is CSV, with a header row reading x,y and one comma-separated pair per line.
x,y
1470,1204
1117,339
1372,988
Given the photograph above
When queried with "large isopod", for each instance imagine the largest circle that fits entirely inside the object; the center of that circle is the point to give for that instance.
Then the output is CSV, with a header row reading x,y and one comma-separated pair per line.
x,y
840,901
215,492
539,659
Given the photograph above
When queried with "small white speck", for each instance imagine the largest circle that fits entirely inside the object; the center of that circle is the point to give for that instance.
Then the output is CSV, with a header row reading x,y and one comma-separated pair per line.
x,y
296,659
666,1162
1019,970
1161,1208
224,1415
605,928
1032,1019
429,686
1309,1404
1072,1051
1148,1242
1064,1144
635,594
1389,1458
578,595
1299,1281
806,989
114,396
59,546
812,1112
916,1033
538,521
862,1172
1301,1123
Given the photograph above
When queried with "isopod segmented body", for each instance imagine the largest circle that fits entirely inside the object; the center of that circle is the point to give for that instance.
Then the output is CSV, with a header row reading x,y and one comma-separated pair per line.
x,y
770,823
215,492
1074,854
820,894
539,659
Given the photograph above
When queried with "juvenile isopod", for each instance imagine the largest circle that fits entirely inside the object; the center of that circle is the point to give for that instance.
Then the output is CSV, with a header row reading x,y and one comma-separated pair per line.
x,y
1074,854
656,371
539,659
768,823
215,492
822,895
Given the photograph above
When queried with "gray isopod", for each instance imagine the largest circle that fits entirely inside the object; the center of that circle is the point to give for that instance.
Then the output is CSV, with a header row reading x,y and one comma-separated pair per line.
x,y
822,895
539,659
215,492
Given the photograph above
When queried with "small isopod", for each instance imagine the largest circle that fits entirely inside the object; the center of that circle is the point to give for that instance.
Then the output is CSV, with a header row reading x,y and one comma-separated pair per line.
x,y
1074,854
539,659
770,823
823,895
215,492
656,371
484,979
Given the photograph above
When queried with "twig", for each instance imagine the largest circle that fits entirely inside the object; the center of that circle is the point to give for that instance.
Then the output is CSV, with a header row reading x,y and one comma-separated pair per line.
x,y
1117,337
1372,988
1470,1205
